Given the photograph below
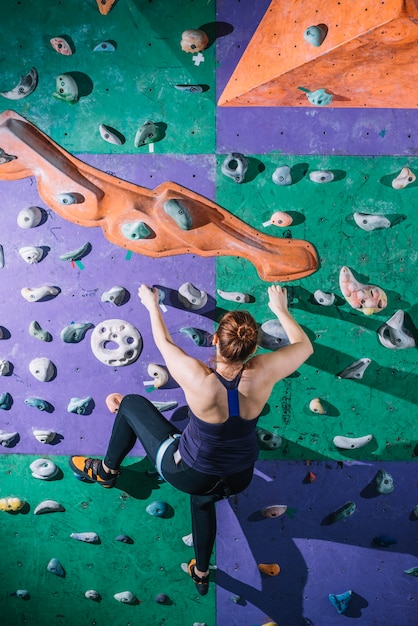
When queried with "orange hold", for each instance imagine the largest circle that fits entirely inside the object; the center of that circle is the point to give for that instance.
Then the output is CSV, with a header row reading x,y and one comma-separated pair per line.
x,y
166,221
105,6
271,569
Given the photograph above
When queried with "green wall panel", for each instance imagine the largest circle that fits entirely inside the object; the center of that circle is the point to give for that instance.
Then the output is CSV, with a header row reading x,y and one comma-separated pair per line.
x,y
384,401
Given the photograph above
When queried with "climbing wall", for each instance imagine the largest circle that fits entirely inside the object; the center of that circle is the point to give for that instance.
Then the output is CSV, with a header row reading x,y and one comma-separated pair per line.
x,y
319,551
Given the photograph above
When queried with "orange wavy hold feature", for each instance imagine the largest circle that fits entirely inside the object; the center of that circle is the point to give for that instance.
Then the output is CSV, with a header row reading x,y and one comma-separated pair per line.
x,y
271,569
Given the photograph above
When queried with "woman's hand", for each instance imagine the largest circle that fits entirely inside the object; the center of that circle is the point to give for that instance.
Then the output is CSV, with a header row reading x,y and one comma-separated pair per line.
x,y
277,299
148,296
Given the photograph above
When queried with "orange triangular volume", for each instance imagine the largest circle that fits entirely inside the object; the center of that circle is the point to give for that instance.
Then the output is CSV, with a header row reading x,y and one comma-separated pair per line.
x,y
369,57
105,5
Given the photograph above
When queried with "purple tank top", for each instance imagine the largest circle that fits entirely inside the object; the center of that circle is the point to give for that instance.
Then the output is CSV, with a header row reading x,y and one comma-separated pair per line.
x,y
221,449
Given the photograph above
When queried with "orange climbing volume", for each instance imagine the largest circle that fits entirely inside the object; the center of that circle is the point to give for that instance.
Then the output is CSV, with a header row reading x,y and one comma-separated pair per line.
x,y
368,58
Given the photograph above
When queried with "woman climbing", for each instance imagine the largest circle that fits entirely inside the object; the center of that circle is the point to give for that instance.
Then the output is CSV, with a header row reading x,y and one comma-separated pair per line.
x,y
214,456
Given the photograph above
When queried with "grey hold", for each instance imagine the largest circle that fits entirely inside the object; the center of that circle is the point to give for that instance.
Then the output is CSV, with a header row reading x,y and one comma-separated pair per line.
x,y
116,295
394,335
235,166
75,332
35,330
384,482
356,369
272,336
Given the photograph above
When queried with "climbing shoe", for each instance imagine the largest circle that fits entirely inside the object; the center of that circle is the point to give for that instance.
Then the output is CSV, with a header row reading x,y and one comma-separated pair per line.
x,y
201,583
92,469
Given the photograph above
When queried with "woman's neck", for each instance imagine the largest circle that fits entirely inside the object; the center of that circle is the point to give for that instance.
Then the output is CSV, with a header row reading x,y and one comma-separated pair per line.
x,y
230,370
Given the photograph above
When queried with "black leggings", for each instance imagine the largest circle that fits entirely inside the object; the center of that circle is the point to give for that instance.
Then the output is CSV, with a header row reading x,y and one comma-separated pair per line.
x,y
137,418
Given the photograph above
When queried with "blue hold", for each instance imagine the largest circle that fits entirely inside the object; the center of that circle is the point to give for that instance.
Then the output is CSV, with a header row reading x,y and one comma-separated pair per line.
x,y
340,601
6,401
157,508
384,541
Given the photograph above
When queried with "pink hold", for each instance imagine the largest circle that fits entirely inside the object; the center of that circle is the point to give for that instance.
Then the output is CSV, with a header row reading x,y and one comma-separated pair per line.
x,y
280,218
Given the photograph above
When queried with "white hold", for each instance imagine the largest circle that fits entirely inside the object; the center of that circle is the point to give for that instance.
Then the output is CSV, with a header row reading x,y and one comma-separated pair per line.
x,y
159,374
44,436
92,594
109,135
350,443
48,506
188,540
191,297
6,439
233,296
4,367
29,217
393,334
324,298
44,469
42,369
117,332
281,176
115,295
31,254
37,293
316,406
321,176
367,221
127,597
406,177
88,537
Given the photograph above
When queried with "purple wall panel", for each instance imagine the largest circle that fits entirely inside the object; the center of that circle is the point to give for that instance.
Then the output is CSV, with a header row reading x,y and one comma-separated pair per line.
x,y
300,130
318,558
79,373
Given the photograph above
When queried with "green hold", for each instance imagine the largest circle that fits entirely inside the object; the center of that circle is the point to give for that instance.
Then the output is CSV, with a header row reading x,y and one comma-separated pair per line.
x,y
74,333
6,401
79,405
267,440
66,88
345,511
413,571
196,335
36,331
178,212
149,132
76,255
135,230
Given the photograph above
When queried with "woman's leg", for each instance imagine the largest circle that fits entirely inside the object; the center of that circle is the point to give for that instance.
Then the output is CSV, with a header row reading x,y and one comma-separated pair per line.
x,y
137,418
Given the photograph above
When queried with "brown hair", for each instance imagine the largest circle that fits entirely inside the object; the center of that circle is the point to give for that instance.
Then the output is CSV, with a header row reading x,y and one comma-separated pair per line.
x,y
237,335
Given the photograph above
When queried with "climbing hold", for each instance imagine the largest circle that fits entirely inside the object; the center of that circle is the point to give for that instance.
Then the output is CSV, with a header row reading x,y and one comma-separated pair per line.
x,y
351,443
415,510
367,298
66,88
124,539
108,135
159,374
190,88
26,85
356,369
194,40
79,405
276,510
413,571
6,401
113,401
340,601
271,569
162,598
394,335
179,213
320,98
8,439
44,469
267,440
326,299
406,177
279,218
315,35
384,482
29,217
281,176
233,296
35,330
44,436
61,45
191,297
117,332
157,509
384,541
115,295
321,176
69,198
149,132
135,230
104,46
4,367
272,336
23,594
6,158
104,6
38,403
48,506
188,539
316,406
42,369
369,222
34,294
75,332
1,256
11,504
165,406
76,255
310,478
235,166
31,254
92,594
88,537
199,337
127,597
236,599
55,567
344,511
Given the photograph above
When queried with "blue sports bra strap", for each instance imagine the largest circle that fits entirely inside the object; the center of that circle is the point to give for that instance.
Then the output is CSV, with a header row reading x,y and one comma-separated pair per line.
x,y
233,402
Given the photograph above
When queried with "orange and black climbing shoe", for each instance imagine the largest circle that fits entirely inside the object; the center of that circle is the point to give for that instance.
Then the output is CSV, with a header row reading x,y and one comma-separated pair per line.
x,y
201,583
92,469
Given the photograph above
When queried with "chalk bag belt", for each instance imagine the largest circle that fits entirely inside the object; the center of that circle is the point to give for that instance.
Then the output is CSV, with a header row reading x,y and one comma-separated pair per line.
x,y
162,450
